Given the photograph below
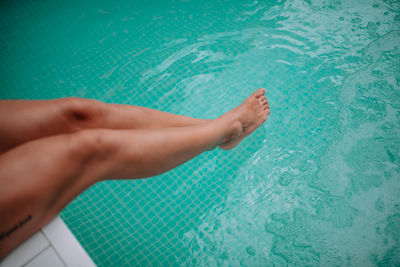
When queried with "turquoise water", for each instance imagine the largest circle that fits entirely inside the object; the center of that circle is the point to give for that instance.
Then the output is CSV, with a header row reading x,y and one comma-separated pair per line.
x,y
317,184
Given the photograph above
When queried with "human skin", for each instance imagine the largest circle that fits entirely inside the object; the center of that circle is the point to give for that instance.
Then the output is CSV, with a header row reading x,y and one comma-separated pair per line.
x,y
25,120
51,151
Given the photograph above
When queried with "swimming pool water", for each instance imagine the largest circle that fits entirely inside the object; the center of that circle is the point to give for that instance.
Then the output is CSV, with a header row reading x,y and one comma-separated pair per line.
x,y
317,184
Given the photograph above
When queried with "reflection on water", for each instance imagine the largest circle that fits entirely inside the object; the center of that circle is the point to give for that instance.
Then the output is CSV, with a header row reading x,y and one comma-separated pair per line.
x,y
318,179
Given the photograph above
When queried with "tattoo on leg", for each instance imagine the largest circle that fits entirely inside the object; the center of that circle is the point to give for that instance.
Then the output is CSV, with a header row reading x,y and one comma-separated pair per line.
x,y
21,223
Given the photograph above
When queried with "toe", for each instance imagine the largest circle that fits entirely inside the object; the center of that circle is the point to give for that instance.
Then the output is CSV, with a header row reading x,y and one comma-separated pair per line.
x,y
266,102
264,105
259,92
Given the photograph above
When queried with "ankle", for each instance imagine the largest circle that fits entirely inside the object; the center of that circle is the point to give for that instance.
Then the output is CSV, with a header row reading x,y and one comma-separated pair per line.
x,y
233,131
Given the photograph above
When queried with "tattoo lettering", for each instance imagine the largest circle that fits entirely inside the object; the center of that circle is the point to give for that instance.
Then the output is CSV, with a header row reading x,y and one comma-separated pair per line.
x,y
6,234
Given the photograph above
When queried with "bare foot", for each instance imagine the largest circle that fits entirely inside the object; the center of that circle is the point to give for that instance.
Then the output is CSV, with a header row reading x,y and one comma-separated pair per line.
x,y
246,117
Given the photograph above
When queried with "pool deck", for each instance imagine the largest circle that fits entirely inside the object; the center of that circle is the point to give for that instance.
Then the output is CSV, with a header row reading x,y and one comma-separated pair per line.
x,y
54,245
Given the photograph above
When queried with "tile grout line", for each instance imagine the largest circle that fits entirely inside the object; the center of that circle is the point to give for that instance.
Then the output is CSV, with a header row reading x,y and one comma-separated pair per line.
x,y
37,255
56,251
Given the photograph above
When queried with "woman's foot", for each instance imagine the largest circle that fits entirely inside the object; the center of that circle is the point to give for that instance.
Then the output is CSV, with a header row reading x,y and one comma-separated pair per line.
x,y
245,118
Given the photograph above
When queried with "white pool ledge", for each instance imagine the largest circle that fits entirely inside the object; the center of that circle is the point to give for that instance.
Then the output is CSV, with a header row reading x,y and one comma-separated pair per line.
x,y
53,246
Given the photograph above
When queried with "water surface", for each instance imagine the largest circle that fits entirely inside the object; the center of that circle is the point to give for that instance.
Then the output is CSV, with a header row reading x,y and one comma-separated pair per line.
x,y
317,184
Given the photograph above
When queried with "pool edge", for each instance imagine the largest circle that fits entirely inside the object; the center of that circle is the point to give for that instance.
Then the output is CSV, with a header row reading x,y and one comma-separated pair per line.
x,y
54,239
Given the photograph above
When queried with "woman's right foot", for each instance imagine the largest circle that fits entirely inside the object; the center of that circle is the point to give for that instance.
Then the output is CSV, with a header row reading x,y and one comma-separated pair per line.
x,y
245,118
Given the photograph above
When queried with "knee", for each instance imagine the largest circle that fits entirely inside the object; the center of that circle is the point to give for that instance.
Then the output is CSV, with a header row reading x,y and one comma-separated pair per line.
x,y
99,142
81,113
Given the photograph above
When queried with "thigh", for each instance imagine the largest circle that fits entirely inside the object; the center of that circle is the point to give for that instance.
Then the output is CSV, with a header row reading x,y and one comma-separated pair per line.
x,y
25,120
39,178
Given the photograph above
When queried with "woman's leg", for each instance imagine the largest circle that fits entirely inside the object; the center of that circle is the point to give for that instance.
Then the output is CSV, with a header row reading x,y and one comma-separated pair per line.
x,y
25,120
39,178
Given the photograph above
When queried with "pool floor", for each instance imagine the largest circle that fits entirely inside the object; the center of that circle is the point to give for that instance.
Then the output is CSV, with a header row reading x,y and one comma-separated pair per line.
x,y
317,184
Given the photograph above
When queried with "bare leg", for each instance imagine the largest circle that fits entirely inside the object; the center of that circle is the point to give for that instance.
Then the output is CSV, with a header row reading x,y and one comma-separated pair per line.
x,y
39,178
29,120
